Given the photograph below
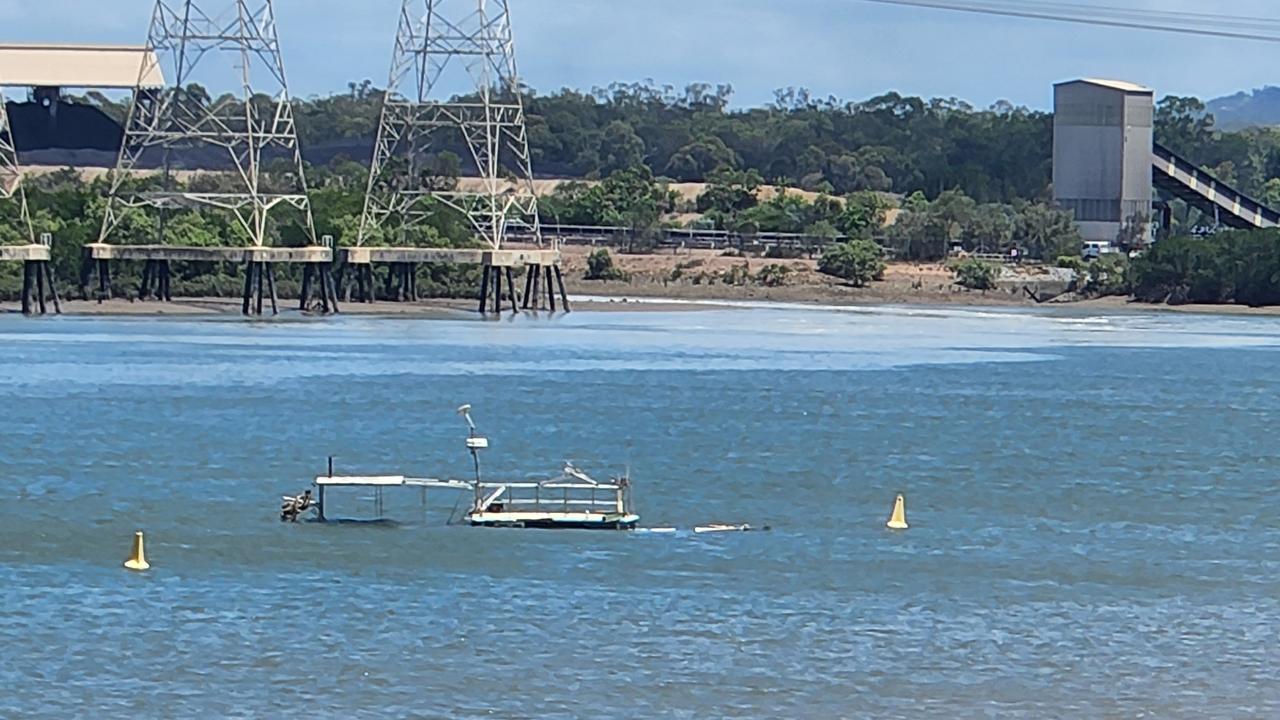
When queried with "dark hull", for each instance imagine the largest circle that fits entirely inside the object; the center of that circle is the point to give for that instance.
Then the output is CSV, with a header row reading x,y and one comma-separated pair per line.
x,y
553,525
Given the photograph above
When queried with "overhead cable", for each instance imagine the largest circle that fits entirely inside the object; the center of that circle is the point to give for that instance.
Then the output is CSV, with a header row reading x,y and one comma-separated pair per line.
x,y
1188,23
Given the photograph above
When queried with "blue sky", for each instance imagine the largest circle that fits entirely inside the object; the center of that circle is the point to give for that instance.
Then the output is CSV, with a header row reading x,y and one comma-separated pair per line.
x,y
842,47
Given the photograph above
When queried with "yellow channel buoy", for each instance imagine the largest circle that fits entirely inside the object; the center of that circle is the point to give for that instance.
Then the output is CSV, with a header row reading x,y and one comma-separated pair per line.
x,y
138,558
898,521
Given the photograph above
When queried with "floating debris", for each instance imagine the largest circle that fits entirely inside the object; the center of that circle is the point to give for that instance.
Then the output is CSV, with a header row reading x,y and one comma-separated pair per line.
x,y
729,528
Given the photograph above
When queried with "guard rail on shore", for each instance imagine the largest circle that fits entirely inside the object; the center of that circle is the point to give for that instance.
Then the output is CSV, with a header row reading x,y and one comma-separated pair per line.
x,y
680,238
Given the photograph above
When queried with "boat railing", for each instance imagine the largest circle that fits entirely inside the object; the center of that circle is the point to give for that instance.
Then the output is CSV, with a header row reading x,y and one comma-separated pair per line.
x,y
555,495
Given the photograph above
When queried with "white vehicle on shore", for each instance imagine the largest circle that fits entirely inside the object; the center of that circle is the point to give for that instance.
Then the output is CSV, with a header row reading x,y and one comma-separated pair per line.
x,y
1094,249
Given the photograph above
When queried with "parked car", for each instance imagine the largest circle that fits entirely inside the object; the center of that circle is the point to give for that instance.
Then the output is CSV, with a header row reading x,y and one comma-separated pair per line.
x,y
1094,249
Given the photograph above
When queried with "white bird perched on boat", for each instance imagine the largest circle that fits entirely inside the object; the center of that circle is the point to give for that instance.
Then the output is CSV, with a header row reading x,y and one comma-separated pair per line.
x,y
577,474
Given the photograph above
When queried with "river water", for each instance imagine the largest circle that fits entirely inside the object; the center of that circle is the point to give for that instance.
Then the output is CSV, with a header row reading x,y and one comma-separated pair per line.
x,y
1095,527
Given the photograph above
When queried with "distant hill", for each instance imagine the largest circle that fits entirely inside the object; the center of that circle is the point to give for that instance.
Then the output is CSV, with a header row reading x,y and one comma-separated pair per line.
x,y
1259,107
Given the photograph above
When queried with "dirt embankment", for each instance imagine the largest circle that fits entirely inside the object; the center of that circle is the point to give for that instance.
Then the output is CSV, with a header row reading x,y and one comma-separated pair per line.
x,y
711,275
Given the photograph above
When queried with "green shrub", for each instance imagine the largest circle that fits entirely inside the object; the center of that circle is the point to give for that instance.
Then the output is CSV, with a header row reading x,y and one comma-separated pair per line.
x,y
1241,266
1071,262
773,275
681,270
600,267
858,261
11,282
779,252
975,274
737,275
1109,275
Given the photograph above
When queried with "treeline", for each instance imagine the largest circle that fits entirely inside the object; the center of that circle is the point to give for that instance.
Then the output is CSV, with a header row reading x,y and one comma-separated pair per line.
x,y
889,143
1240,266
71,209
1248,159
914,229
1234,267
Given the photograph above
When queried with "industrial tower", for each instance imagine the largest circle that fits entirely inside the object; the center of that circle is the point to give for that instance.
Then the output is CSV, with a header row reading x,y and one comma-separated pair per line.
x,y
36,259
453,87
217,43
11,187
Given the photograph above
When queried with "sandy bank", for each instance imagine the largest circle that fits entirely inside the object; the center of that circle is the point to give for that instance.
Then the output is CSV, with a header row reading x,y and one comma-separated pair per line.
x,y
702,274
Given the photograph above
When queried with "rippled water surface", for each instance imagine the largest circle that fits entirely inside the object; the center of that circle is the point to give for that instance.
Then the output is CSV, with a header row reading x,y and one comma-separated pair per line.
x,y
1095,522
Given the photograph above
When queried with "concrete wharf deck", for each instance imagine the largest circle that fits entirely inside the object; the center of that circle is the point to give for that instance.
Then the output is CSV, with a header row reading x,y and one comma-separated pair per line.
x,y
181,253
25,253
491,258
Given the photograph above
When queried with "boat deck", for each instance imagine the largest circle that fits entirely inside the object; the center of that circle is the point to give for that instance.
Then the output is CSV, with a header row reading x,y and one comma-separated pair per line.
x,y
554,520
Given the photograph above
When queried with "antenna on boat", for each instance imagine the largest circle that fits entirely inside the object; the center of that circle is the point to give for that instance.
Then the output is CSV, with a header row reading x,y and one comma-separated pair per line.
x,y
475,444
465,412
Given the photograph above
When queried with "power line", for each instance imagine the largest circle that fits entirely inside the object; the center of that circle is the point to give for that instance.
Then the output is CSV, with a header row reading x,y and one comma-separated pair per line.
x,y
1081,11
1186,23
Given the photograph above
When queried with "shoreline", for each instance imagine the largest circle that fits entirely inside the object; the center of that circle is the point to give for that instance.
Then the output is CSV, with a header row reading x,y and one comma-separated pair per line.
x,y
640,302
621,297
1127,303
699,280
203,307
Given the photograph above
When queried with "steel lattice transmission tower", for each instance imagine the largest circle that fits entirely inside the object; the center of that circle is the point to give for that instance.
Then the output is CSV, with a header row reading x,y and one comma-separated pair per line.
x,y
11,185
194,41
453,86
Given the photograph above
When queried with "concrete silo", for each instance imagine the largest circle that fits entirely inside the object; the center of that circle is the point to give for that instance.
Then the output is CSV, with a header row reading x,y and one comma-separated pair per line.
x,y
1102,156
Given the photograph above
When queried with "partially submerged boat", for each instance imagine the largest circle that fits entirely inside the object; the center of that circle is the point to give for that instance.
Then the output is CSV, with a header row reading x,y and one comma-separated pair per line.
x,y
571,500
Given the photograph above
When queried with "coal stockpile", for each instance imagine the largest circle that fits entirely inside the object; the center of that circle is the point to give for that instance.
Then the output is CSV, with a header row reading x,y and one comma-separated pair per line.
x,y
84,136
71,127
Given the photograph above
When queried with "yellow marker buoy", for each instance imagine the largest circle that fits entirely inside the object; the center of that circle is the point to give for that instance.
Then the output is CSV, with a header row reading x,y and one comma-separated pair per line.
x,y
138,558
898,521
